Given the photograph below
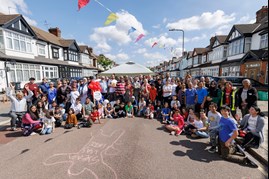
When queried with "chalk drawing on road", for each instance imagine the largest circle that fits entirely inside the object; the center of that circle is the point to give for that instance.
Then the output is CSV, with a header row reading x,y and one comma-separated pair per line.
x,y
91,156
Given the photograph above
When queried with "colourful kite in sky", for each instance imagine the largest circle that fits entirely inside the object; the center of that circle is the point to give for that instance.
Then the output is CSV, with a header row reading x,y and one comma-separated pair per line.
x,y
139,37
111,18
82,3
155,43
132,29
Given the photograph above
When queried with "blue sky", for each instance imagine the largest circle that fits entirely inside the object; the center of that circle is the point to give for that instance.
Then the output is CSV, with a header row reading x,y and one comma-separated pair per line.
x,y
199,19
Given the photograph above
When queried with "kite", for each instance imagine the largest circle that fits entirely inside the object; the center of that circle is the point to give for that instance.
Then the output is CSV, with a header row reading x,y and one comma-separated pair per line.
x,y
82,3
132,29
155,43
139,37
111,18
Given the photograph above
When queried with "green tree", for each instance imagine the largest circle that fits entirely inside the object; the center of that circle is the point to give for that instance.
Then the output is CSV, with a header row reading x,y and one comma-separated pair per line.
x,y
104,61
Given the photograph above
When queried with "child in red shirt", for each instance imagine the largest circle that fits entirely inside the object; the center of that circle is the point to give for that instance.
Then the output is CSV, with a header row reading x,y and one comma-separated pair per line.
x,y
152,93
177,123
95,115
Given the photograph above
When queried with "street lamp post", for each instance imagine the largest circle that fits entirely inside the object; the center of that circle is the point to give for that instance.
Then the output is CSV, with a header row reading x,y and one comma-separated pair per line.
x,y
182,38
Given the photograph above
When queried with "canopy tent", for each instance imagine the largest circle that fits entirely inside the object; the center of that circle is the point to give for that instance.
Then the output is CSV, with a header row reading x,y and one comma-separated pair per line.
x,y
129,68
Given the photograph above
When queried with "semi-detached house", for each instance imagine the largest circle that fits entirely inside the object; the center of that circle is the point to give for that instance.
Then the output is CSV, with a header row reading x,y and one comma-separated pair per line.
x,y
27,51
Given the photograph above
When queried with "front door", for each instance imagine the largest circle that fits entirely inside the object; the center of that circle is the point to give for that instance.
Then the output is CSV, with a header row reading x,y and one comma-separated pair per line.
x,y
252,73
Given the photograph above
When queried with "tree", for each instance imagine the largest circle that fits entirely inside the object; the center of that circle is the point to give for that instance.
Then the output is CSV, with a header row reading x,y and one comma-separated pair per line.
x,y
104,61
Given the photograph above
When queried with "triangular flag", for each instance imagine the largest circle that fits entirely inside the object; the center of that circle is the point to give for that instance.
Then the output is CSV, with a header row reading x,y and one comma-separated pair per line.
x,y
132,29
139,37
111,18
155,43
82,3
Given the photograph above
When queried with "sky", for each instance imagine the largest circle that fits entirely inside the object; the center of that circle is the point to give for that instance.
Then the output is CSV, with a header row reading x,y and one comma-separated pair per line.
x,y
200,20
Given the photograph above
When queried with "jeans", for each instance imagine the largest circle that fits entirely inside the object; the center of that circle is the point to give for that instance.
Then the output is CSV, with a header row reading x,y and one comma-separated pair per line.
x,y
226,153
14,117
47,130
213,137
202,134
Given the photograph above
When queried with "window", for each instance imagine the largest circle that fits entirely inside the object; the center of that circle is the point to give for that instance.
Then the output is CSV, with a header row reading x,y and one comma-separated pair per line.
x,y
41,50
195,60
55,52
73,56
50,71
247,44
18,42
65,54
264,41
236,47
1,39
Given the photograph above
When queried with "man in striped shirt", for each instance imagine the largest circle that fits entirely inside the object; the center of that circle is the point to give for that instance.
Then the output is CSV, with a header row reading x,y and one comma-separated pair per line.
x,y
120,89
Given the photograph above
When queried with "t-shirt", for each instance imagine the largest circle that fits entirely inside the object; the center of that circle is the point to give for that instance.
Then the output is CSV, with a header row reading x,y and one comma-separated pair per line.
x,y
227,127
129,108
116,107
252,122
167,88
175,102
198,124
74,95
166,110
201,93
77,108
48,123
190,96
214,119
88,108
244,94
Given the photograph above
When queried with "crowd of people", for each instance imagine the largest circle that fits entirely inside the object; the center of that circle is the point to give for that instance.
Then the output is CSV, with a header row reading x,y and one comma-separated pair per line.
x,y
199,108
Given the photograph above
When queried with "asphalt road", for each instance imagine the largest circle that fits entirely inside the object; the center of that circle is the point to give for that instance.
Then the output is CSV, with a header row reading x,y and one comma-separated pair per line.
x,y
117,149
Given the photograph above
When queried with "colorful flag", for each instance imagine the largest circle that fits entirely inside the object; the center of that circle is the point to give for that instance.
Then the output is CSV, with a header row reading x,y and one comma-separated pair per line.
x,y
132,29
111,18
139,37
82,3
155,43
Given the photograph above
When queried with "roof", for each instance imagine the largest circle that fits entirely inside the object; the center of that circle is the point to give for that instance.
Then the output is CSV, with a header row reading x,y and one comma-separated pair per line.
x,y
256,55
246,28
129,68
82,48
7,18
66,42
263,26
221,38
46,36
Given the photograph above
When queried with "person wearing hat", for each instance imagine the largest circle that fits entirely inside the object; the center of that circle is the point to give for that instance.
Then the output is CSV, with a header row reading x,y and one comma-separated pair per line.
x,y
34,88
19,104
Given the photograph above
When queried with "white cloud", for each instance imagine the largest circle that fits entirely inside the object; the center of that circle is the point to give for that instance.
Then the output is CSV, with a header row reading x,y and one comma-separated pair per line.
x,y
207,20
165,20
198,38
155,56
30,21
162,40
16,7
156,26
141,51
119,58
118,33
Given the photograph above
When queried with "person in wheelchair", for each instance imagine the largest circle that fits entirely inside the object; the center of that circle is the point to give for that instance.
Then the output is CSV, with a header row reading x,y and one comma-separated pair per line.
x,y
18,106
251,128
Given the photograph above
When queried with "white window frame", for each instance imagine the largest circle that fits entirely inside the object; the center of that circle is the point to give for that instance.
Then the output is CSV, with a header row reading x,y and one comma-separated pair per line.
x,y
264,41
23,43
41,48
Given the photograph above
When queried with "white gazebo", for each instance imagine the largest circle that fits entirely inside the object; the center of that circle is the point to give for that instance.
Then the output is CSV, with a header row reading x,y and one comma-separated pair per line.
x,y
130,68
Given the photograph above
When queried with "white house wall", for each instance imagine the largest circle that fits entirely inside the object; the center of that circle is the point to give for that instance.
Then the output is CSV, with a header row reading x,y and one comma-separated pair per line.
x,y
255,43
3,83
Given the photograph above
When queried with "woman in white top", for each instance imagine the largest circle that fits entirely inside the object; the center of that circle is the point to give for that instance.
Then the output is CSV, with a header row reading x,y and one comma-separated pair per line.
x,y
252,128
167,92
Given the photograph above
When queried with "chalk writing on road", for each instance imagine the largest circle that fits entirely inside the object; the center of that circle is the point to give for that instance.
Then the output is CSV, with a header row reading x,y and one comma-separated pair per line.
x,y
91,156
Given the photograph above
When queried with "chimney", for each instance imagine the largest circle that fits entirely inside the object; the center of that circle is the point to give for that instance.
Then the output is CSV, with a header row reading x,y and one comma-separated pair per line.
x,y
262,13
55,31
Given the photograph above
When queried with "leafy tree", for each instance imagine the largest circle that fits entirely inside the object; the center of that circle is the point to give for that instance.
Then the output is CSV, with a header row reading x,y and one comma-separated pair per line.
x,y
104,61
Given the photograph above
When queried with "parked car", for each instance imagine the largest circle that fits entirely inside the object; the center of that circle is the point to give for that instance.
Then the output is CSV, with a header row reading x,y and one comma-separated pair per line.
x,y
237,81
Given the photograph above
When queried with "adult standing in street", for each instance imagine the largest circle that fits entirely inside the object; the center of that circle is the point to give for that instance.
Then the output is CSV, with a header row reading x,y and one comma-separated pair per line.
x,y
137,87
83,90
228,97
34,88
44,86
120,89
201,97
112,83
18,104
52,93
167,92
62,93
246,97
104,86
159,88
